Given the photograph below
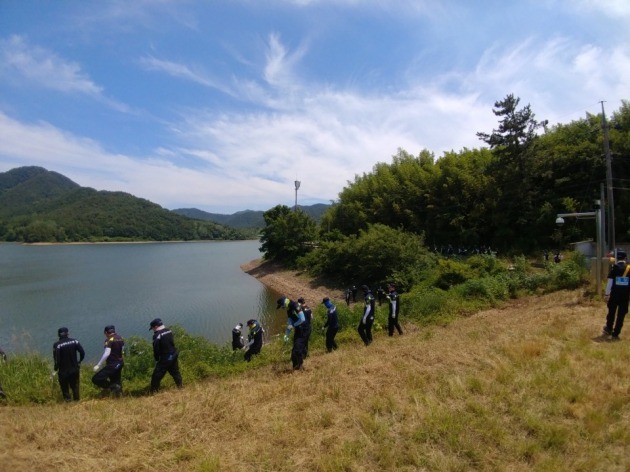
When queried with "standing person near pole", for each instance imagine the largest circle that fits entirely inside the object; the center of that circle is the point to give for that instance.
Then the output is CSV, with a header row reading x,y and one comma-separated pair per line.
x,y
295,319
617,294
254,339
332,324
67,365
110,376
367,320
307,325
394,310
165,354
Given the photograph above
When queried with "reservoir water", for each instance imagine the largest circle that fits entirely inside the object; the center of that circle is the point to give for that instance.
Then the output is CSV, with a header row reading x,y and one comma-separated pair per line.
x,y
84,287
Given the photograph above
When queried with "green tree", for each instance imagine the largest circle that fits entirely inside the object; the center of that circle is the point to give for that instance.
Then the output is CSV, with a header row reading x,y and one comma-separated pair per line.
x,y
287,234
514,188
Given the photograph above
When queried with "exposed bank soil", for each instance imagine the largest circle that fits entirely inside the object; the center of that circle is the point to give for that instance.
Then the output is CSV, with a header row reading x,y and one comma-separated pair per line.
x,y
292,283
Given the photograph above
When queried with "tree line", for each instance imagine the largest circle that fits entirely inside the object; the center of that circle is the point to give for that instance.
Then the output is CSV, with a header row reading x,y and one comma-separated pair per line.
x,y
41,206
505,195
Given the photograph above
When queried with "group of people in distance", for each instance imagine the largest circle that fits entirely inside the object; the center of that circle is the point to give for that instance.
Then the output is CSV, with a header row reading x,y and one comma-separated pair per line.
x,y
299,322
68,355
68,352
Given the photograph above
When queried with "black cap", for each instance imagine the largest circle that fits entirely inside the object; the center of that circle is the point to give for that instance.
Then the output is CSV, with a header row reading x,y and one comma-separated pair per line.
x,y
365,288
251,322
300,300
621,254
280,302
109,329
155,322
62,331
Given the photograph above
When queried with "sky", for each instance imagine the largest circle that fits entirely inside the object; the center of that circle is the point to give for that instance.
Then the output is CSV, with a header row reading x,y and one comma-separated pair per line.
x,y
223,105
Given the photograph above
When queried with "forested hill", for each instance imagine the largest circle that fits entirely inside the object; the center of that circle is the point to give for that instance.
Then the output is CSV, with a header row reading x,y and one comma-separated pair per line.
x,y
247,218
37,205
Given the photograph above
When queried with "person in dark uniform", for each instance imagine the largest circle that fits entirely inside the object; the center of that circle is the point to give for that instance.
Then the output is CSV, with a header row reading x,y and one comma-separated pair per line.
x,y
394,310
237,337
68,355
367,320
348,293
165,354
307,326
380,295
355,290
254,339
295,319
332,324
3,358
617,294
110,376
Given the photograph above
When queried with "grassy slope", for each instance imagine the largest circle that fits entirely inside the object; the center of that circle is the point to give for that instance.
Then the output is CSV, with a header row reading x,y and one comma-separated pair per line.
x,y
519,388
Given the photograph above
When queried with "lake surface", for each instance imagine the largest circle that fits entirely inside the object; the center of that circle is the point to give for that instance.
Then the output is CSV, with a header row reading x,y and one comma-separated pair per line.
x,y
85,287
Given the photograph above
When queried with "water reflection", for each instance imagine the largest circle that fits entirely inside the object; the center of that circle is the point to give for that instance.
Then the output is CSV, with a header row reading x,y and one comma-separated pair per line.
x,y
199,286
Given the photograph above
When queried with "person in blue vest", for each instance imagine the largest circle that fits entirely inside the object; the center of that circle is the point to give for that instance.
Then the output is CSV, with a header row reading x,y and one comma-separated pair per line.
x,y
254,339
331,325
307,326
165,354
110,376
616,296
295,319
67,356
394,310
367,320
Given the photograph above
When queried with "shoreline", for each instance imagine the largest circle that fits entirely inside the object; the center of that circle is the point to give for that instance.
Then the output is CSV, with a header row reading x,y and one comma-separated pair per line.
x,y
291,283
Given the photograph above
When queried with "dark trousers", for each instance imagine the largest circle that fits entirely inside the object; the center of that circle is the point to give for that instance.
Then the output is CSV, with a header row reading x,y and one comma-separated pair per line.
x,y
616,314
297,353
160,370
365,330
306,332
69,380
331,345
393,323
108,376
252,351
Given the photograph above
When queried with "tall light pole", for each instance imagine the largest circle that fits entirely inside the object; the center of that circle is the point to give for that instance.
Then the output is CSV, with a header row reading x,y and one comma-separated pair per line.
x,y
297,186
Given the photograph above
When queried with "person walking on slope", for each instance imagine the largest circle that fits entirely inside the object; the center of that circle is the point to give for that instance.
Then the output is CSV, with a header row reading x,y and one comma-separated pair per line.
x,y
307,326
332,324
254,339
110,376
67,365
237,337
165,354
394,310
617,294
367,320
295,319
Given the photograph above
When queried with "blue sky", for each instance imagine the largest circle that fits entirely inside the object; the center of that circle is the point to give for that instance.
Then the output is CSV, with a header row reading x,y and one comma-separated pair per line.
x,y
222,105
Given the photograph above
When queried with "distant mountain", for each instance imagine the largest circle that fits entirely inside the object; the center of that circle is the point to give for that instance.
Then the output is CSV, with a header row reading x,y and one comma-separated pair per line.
x,y
39,205
246,218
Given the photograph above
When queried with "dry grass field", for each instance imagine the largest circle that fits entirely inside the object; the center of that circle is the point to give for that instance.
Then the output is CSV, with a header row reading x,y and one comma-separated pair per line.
x,y
524,387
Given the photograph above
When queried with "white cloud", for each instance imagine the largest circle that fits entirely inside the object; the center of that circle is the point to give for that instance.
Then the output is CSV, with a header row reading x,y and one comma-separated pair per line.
x,y
43,68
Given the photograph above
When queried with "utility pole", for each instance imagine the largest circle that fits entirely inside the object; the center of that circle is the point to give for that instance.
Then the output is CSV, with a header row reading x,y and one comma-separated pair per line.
x,y
610,201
